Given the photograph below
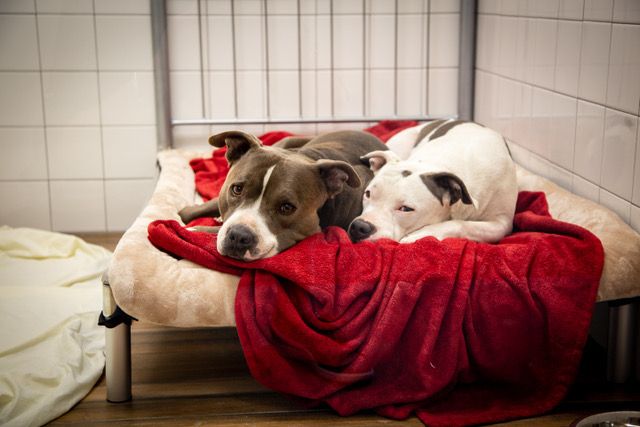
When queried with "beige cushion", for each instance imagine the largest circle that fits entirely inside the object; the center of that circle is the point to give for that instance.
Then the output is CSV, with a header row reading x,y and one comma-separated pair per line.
x,y
621,275
150,284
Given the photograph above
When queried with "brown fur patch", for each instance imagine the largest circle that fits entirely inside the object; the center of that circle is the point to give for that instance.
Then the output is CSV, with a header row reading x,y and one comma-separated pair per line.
x,y
427,130
442,130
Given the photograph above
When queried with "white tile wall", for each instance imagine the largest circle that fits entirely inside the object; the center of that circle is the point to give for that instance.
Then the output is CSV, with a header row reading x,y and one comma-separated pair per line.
x,y
64,6
571,9
626,11
24,154
444,39
184,44
77,206
568,57
126,97
21,99
125,199
598,10
17,6
76,113
71,98
67,42
310,63
594,61
86,146
575,115
25,204
122,7
124,42
636,178
443,91
120,161
18,42
623,86
618,154
587,161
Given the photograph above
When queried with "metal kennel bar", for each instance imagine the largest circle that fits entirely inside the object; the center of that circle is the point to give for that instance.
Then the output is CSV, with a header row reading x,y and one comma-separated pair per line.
x,y
160,45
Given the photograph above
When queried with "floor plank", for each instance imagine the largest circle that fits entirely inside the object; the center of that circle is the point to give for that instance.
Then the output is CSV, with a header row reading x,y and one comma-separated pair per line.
x,y
187,377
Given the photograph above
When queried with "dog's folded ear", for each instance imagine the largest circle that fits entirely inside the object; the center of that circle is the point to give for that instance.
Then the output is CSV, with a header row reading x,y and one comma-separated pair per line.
x,y
238,143
335,174
377,159
441,184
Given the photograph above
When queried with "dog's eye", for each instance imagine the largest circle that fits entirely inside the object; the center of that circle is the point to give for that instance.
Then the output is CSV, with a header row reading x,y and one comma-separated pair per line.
x,y
236,189
286,209
367,194
404,208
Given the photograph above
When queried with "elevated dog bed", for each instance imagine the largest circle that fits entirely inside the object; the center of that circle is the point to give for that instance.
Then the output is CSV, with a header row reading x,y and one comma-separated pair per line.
x,y
153,285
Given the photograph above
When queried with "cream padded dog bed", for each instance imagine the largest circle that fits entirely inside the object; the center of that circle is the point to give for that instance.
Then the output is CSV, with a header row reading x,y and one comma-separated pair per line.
x,y
152,285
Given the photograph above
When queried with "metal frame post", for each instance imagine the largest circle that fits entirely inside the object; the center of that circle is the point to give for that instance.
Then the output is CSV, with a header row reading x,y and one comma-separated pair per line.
x,y
622,359
467,62
161,73
117,348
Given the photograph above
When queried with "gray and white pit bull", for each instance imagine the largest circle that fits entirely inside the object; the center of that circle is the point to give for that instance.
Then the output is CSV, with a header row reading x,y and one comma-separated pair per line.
x,y
444,178
273,197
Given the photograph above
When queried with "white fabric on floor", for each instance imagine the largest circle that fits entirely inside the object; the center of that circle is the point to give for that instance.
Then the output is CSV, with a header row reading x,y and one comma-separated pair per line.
x,y
51,349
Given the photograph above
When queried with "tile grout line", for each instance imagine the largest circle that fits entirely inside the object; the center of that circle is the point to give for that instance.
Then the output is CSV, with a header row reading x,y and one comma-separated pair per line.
x,y
575,131
636,165
395,59
44,115
267,89
235,60
365,57
604,127
331,41
428,59
104,172
200,57
423,65
610,21
299,30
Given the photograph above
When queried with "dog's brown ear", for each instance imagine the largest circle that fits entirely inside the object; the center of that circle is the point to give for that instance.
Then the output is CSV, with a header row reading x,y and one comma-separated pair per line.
x,y
238,143
447,183
377,159
335,174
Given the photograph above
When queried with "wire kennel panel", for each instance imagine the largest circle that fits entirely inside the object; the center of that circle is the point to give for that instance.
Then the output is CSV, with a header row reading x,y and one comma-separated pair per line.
x,y
312,64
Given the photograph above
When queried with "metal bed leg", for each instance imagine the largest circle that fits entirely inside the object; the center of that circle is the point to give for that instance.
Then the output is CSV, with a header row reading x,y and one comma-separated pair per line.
x,y
118,347
621,355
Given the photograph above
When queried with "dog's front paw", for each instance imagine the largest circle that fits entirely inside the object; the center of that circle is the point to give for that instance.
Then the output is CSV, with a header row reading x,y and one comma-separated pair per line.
x,y
414,237
188,214
434,230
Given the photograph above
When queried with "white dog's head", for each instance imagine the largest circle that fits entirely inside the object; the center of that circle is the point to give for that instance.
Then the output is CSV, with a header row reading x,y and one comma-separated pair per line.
x,y
404,196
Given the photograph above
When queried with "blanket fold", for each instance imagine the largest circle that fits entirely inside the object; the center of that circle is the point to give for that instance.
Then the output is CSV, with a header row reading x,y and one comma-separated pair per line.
x,y
457,332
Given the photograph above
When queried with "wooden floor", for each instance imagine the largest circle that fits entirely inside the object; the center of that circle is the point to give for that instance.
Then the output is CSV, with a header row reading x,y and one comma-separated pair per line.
x,y
189,377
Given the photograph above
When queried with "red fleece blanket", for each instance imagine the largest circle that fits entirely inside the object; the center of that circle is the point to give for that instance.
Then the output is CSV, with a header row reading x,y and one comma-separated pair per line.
x,y
457,332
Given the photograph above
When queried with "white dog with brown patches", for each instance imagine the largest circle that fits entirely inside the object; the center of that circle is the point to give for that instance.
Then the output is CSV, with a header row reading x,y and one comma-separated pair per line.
x,y
444,178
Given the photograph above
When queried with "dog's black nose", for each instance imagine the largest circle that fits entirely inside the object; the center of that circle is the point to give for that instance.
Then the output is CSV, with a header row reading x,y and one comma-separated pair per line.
x,y
360,230
239,239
